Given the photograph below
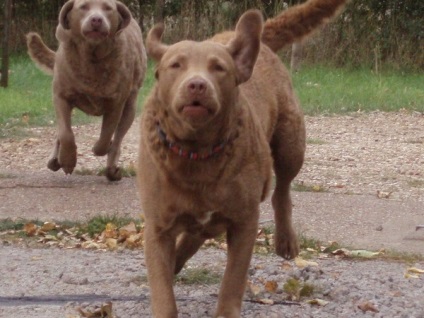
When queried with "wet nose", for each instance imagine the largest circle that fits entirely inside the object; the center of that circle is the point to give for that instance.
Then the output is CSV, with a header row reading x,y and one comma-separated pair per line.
x,y
197,86
96,21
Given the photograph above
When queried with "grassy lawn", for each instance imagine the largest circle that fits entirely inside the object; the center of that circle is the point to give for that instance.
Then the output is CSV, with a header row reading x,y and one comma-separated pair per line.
x,y
322,90
27,100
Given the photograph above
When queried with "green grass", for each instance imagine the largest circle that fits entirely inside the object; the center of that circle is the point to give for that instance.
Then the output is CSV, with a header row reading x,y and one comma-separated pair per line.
x,y
322,90
198,276
325,90
27,102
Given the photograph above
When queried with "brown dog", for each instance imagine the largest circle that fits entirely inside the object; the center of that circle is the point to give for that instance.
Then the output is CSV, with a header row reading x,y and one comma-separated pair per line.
x,y
221,114
99,67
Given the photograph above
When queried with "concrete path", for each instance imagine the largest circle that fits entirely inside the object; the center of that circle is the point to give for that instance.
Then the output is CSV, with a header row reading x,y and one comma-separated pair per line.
x,y
358,221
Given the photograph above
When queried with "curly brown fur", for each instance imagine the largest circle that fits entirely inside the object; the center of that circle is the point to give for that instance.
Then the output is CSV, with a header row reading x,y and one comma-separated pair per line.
x,y
40,54
221,114
299,21
98,67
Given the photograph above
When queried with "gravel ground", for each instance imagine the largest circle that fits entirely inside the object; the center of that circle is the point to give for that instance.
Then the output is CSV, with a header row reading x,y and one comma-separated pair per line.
x,y
370,165
55,282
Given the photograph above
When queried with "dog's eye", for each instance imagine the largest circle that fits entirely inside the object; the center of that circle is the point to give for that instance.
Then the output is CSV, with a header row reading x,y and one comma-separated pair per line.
x,y
218,68
84,7
107,8
175,65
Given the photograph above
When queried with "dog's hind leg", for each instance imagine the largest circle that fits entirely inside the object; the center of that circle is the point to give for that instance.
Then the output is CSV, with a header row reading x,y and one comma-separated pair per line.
x,y
113,173
288,147
53,163
187,245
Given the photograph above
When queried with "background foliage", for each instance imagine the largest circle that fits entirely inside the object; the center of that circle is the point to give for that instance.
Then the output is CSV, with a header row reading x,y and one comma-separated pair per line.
x,y
370,33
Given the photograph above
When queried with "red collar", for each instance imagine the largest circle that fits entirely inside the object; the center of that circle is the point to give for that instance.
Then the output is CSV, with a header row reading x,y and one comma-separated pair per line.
x,y
192,155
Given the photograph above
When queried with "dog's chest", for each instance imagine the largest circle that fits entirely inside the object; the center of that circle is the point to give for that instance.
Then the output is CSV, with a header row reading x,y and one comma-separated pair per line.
x,y
99,79
204,218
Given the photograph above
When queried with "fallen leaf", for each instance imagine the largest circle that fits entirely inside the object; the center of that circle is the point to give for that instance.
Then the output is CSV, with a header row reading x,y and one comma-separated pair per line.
x,y
286,266
383,195
301,263
407,275
30,229
415,270
317,302
368,306
266,301
48,226
105,311
364,253
254,289
110,231
131,228
111,243
271,286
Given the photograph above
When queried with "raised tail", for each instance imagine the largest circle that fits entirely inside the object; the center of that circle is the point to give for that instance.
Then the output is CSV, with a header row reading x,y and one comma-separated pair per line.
x,y
298,22
41,55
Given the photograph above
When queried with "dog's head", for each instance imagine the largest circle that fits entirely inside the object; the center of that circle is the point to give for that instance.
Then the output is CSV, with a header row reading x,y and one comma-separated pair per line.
x,y
197,81
94,20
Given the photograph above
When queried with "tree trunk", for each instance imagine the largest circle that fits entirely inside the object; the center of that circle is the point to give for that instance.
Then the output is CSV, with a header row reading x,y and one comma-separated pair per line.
x,y
5,44
159,5
296,57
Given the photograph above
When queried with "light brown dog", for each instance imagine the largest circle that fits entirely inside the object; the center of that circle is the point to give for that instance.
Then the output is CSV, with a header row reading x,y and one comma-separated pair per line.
x,y
221,114
99,67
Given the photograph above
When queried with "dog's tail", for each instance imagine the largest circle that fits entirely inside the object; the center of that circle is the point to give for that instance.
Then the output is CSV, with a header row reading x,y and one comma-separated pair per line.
x,y
299,21
41,55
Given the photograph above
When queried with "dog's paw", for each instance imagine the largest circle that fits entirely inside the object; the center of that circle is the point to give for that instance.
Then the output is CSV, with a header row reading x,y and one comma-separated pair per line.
x,y
54,164
68,159
113,173
101,149
286,246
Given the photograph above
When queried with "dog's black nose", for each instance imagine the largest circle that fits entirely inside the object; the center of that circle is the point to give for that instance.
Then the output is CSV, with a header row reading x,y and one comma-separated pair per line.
x,y
196,86
96,21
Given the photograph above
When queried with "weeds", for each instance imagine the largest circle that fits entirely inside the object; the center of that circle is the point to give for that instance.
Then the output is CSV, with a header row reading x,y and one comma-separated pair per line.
x,y
297,289
198,276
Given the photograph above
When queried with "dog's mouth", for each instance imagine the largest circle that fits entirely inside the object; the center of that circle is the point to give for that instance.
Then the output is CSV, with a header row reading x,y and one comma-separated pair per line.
x,y
96,34
196,110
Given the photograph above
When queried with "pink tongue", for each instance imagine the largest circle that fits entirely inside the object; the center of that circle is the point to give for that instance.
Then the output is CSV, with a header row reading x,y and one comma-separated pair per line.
x,y
195,111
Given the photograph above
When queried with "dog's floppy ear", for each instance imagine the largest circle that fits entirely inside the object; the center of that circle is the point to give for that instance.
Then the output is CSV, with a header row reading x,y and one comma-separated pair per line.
x,y
125,14
154,46
244,48
63,15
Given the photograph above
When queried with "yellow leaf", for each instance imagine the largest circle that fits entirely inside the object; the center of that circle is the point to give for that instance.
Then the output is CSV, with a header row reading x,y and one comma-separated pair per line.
x,y
130,228
408,275
415,270
271,286
318,302
364,253
301,263
48,226
111,243
25,118
110,231
30,229
134,240
266,301
254,289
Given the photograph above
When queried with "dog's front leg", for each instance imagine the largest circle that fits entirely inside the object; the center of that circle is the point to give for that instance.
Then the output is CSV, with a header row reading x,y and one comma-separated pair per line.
x,y
113,173
110,121
160,256
65,150
240,239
